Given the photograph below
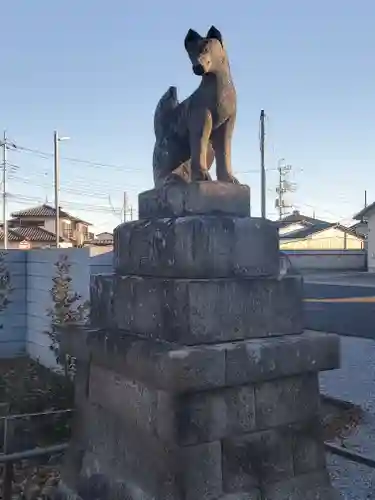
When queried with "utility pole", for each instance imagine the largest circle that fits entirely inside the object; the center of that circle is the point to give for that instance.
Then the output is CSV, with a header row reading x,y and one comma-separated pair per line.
x,y
56,153
365,198
262,166
4,192
284,187
56,176
125,207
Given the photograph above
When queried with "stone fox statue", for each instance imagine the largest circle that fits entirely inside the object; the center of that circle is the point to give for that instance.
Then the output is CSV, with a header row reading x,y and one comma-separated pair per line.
x,y
191,134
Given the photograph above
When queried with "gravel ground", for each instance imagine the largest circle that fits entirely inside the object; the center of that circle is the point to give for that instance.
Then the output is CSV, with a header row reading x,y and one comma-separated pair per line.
x,y
353,481
355,382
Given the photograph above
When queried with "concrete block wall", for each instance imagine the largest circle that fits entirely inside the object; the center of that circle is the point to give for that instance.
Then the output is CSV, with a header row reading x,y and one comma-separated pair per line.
x,y
327,260
25,321
100,263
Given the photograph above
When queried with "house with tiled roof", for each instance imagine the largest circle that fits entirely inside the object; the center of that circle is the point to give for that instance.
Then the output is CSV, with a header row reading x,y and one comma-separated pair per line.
x,y
322,236
31,237
38,226
302,232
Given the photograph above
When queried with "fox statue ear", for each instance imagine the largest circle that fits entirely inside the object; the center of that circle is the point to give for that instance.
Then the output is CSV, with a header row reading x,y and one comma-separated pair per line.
x,y
192,37
214,33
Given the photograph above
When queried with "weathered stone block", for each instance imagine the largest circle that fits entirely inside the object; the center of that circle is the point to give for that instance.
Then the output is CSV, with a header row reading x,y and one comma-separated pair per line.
x,y
194,312
287,400
157,364
197,247
265,359
188,419
196,198
252,495
256,459
180,368
308,446
202,471
101,299
123,451
313,486
209,416
133,402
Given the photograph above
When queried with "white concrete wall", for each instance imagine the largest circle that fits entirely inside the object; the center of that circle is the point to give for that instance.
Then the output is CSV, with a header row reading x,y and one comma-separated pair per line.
x,y
329,260
100,249
331,238
371,243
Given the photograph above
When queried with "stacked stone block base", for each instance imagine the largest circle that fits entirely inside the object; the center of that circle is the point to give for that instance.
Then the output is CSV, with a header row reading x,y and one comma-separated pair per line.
x,y
224,421
196,381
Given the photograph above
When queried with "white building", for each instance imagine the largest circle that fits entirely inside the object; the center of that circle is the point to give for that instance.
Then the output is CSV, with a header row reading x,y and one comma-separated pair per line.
x,y
367,218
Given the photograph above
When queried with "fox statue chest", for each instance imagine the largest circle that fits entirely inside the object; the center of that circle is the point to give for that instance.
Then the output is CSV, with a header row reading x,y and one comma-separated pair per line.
x,y
216,98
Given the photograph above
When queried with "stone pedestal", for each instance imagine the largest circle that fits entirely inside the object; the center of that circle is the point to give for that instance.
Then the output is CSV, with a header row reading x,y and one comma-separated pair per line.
x,y
196,380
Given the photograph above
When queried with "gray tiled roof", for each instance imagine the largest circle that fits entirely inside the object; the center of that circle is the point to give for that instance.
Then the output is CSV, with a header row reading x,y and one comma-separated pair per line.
x,y
36,234
297,217
46,211
11,235
308,231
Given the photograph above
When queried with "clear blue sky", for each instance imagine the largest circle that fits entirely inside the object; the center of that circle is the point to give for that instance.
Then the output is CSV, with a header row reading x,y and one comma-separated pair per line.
x,y
95,70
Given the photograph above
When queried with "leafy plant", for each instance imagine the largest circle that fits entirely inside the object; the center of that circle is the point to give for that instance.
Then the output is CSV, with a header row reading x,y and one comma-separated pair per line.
x,y
5,284
68,308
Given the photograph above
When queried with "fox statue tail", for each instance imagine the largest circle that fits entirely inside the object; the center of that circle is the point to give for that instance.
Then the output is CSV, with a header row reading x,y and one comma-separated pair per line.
x,y
164,109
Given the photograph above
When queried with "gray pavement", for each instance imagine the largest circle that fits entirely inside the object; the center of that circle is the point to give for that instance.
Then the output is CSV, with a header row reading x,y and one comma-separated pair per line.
x,y
354,382
341,316
349,278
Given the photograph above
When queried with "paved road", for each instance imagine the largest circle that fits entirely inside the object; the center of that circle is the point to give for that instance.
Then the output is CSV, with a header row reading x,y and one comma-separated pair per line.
x,y
341,305
354,382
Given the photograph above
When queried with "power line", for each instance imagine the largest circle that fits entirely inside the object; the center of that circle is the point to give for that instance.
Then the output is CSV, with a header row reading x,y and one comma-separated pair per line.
x,y
23,199
83,192
47,155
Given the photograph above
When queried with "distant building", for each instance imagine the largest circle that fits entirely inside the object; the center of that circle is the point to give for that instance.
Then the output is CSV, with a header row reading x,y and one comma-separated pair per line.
x,y
360,228
72,229
328,236
296,220
367,216
104,237
301,232
26,238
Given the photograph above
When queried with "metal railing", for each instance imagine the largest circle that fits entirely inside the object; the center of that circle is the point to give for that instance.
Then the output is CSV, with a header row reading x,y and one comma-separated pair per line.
x,y
8,418
8,459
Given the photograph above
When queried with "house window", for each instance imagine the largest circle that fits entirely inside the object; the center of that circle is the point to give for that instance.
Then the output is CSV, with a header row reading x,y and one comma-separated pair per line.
x,y
66,230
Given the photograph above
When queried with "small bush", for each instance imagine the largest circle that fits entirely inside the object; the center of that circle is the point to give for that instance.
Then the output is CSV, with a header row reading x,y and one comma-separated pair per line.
x,y
67,308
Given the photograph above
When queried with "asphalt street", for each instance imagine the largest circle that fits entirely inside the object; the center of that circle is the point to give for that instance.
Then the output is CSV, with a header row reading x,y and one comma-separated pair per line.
x,y
339,305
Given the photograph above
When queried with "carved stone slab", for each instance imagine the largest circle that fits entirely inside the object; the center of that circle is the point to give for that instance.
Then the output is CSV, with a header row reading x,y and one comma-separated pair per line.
x,y
196,198
198,247
193,311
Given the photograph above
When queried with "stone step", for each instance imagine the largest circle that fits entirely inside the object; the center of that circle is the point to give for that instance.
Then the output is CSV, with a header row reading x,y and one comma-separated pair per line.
x,y
197,247
180,369
195,198
193,311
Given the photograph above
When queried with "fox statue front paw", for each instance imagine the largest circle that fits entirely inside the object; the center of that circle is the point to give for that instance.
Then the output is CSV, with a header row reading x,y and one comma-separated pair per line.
x,y
201,175
229,178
